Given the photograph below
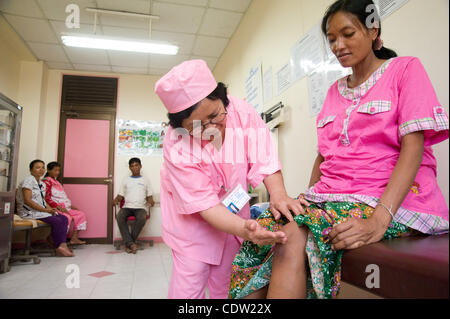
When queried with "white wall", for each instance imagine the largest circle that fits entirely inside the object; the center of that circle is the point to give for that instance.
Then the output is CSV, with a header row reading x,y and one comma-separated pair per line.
x,y
12,52
31,97
270,28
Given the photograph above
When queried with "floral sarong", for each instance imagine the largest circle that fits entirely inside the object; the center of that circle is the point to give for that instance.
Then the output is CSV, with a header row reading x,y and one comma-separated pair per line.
x,y
252,266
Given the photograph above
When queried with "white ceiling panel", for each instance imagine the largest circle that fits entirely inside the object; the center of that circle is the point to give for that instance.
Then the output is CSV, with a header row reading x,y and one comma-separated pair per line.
x,y
210,61
60,27
126,33
160,72
201,3
56,10
87,56
184,41
59,66
209,46
26,8
177,18
233,5
128,70
220,23
92,67
166,61
123,21
129,59
32,29
48,52
140,6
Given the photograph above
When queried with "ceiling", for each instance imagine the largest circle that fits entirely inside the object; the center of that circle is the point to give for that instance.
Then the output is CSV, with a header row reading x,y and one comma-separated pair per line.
x,y
201,28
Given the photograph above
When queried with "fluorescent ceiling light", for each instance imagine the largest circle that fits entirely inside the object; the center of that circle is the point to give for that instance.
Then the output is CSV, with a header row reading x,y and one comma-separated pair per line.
x,y
105,43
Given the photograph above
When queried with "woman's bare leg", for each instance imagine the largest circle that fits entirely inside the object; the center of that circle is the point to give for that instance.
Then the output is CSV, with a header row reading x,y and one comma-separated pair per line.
x,y
64,251
288,280
74,240
258,294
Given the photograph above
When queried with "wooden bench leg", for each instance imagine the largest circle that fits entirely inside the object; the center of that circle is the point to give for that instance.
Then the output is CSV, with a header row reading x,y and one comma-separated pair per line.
x,y
4,266
28,241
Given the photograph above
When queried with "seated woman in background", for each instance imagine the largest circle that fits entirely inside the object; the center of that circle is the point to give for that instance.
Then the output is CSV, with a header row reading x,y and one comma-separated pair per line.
x,y
57,198
375,175
32,205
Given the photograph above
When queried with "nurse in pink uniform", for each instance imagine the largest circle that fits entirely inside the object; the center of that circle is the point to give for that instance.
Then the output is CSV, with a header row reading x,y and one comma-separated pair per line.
x,y
215,143
375,175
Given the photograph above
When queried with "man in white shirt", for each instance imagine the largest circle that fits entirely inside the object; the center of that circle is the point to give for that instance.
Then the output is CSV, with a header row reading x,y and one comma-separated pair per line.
x,y
136,191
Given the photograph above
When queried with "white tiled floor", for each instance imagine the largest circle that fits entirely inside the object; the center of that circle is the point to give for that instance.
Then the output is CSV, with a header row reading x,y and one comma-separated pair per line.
x,y
141,276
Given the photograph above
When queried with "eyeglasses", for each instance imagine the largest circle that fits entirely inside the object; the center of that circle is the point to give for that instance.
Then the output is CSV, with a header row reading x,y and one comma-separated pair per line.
x,y
216,120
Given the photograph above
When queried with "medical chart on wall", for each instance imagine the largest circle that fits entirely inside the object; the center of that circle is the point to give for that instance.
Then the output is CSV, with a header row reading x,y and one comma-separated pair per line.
x,y
140,138
320,81
253,88
283,78
387,7
268,85
307,54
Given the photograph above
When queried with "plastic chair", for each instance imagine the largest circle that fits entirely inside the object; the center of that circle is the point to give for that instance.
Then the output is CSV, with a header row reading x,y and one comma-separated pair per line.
x,y
130,220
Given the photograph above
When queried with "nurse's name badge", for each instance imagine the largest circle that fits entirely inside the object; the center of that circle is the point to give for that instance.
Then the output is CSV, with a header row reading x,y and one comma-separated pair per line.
x,y
236,199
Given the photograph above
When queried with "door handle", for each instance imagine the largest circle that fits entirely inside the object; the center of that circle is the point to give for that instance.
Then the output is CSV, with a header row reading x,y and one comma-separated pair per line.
x,y
108,180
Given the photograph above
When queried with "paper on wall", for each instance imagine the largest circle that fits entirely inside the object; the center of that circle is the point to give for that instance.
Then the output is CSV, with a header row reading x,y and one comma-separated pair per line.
x,y
283,78
387,7
268,85
307,54
320,81
317,85
253,88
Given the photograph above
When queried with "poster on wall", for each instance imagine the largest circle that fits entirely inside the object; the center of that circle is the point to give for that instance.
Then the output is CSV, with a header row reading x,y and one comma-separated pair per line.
x,y
320,81
253,88
140,138
387,7
283,78
307,54
268,85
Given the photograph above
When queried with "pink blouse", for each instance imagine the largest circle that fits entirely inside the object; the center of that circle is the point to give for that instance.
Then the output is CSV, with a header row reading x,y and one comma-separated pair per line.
x,y
55,194
360,131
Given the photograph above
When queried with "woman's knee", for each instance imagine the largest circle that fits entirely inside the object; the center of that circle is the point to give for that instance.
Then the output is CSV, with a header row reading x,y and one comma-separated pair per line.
x,y
62,220
296,241
295,235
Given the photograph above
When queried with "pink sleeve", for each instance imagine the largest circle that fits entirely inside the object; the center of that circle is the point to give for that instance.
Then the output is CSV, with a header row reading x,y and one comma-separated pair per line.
x,y
191,187
48,193
262,151
419,107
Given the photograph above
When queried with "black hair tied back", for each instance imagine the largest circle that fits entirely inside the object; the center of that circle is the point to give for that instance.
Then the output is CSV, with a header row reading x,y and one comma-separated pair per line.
x,y
51,166
360,9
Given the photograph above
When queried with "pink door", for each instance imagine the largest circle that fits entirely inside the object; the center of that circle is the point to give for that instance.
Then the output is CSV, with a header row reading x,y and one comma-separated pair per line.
x,y
86,154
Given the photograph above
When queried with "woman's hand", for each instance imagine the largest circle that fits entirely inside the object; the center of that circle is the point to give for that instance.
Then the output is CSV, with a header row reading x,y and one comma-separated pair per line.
x,y
260,236
51,211
283,204
62,209
357,232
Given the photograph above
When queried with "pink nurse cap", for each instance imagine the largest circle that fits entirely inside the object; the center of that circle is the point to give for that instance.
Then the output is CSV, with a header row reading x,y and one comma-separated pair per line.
x,y
185,85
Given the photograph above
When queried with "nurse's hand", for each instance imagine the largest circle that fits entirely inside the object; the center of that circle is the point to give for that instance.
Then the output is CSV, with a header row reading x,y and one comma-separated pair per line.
x,y
356,232
282,204
260,236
